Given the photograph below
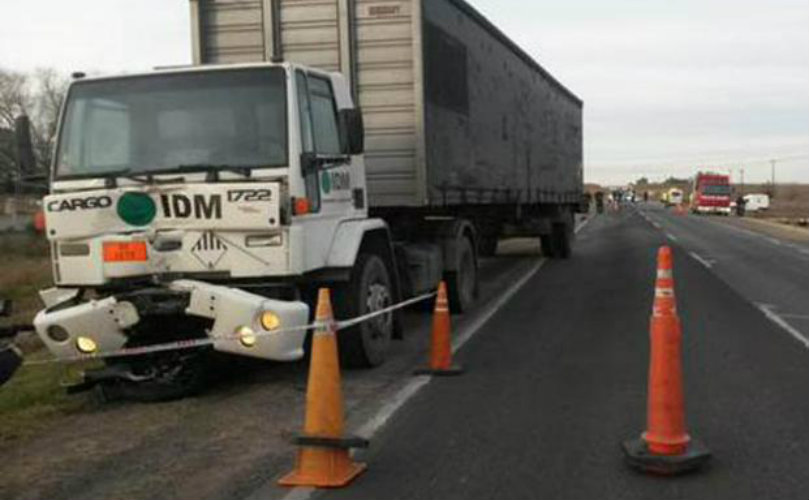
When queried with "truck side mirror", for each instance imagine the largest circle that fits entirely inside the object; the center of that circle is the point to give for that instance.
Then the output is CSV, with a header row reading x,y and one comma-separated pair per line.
x,y
352,131
25,150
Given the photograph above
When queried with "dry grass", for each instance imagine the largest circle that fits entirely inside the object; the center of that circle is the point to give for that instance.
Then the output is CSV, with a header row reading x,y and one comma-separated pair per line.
x,y
35,396
789,206
791,201
24,270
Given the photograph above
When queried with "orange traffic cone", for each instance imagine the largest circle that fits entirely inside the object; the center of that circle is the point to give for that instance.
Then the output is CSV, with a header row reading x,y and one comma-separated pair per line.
x,y
323,460
665,447
441,341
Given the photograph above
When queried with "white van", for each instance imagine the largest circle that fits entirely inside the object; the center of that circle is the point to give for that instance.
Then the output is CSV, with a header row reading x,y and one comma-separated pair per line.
x,y
756,202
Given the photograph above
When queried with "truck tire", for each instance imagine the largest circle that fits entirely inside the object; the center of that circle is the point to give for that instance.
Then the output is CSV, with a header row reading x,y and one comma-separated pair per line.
x,y
548,248
462,285
176,375
488,246
557,245
561,236
370,289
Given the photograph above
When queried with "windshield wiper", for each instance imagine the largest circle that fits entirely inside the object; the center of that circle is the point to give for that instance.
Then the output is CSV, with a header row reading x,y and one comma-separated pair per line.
x,y
147,176
213,170
111,178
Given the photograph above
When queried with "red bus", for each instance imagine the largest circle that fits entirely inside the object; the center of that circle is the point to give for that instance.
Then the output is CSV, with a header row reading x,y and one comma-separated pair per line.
x,y
711,194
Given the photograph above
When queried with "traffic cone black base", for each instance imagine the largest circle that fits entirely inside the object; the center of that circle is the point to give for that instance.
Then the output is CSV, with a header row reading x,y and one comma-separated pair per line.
x,y
638,456
345,443
443,372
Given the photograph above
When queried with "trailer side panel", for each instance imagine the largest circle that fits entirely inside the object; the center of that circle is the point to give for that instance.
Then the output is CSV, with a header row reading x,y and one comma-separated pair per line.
x,y
498,126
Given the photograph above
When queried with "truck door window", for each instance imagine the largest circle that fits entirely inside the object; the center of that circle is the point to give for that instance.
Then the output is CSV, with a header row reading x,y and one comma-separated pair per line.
x,y
324,116
307,139
312,179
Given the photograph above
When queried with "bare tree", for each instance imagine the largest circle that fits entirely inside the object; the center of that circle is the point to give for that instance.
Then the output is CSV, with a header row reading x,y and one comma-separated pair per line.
x,y
15,100
38,95
49,94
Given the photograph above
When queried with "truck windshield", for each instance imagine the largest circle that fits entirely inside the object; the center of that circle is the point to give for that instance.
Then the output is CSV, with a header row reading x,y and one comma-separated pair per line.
x,y
716,190
170,122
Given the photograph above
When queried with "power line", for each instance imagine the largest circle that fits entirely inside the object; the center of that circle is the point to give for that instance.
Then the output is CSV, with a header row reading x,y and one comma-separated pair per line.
x,y
715,162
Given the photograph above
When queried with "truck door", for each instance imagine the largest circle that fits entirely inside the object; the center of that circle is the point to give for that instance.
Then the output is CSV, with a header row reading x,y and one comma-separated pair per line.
x,y
328,181
328,187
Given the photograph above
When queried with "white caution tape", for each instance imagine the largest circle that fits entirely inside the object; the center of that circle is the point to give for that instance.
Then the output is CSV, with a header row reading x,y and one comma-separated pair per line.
x,y
179,345
361,319
211,340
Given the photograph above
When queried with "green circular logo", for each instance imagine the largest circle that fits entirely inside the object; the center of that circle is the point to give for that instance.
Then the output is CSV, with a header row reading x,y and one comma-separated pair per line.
x,y
136,209
325,182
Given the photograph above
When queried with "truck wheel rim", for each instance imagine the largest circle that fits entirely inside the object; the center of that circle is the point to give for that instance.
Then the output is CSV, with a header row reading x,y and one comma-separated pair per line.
x,y
378,299
467,277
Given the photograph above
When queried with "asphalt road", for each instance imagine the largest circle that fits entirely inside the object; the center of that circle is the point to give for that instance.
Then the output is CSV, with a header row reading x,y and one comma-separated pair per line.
x,y
769,271
557,378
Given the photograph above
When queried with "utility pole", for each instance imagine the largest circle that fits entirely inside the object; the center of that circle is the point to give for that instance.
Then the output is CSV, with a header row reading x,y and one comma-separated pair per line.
x,y
742,173
772,165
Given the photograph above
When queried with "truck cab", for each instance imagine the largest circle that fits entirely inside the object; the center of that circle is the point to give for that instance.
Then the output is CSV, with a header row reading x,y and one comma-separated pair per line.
x,y
711,194
210,202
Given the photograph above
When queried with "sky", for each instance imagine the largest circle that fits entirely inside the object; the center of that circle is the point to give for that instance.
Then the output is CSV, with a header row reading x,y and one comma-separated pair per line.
x,y
670,87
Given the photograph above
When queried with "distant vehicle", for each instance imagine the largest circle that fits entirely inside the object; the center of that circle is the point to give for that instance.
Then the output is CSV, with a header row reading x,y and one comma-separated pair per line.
x,y
673,197
757,202
711,194
600,202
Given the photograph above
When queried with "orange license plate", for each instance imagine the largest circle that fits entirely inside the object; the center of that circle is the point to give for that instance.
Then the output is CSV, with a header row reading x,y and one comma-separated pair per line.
x,y
134,251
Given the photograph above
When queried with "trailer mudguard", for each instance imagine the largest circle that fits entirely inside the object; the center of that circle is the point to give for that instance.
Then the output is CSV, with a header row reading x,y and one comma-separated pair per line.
x,y
448,232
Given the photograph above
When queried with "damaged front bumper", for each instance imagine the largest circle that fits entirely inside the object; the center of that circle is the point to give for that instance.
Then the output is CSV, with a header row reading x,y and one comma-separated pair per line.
x,y
242,323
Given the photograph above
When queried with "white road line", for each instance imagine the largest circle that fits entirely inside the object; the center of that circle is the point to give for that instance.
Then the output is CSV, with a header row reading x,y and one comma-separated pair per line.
x,y
472,329
582,225
672,237
778,320
701,260
384,414
294,494
803,317
773,241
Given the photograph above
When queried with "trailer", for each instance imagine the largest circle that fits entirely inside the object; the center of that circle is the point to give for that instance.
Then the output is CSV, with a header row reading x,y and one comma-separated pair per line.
x,y
459,119
374,148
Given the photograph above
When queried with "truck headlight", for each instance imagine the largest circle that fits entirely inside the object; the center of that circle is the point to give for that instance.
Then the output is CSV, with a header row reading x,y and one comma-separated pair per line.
x,y
86,345
270,321
246,336
57,333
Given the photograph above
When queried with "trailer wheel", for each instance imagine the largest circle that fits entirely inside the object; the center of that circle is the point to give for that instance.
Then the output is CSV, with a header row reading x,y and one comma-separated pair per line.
x,y
557,245
462,285
548,248
488,246
561,236
370,289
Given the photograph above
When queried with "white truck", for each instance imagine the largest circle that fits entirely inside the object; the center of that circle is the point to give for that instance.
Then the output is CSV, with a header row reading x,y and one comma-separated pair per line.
x,y
213,201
